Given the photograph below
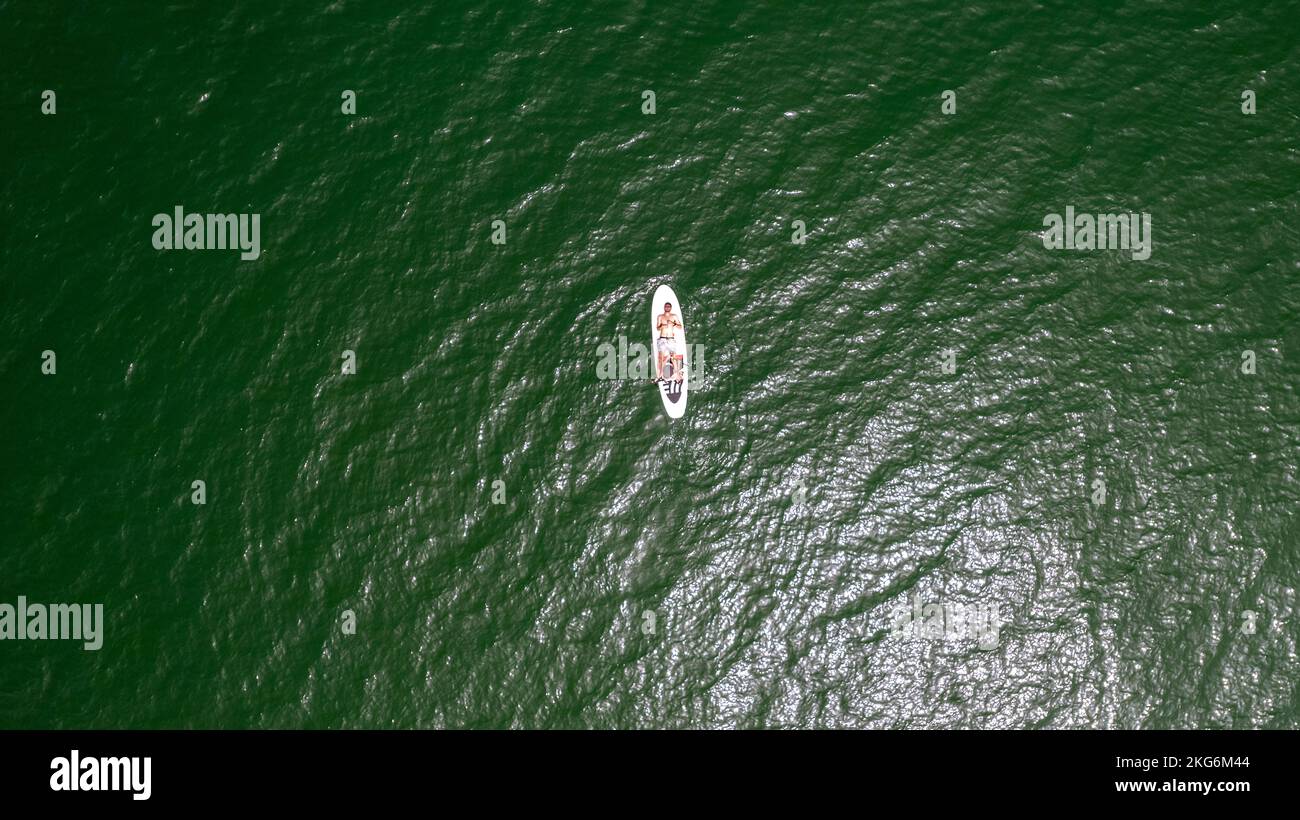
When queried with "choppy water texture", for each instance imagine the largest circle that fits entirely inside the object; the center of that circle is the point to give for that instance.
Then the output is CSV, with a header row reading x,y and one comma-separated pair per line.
x,y
822,365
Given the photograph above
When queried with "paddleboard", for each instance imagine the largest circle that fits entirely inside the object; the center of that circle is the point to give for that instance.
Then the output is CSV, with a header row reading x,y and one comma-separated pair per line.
x,y
668,350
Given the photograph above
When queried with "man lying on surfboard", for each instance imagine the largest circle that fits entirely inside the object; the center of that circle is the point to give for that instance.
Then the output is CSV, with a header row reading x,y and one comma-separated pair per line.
x,y
668,344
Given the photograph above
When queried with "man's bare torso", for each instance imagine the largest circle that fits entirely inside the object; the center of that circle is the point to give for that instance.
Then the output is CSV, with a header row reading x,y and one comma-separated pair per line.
x,y
668,325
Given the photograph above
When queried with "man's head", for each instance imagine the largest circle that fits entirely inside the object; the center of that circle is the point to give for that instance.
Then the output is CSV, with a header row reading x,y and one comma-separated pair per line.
x,y
668,307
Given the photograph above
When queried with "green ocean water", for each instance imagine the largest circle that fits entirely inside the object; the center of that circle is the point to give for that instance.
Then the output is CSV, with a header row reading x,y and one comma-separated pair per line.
x,y
740,567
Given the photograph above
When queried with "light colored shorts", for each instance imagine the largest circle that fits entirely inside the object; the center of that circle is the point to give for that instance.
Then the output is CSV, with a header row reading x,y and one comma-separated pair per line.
x,y
668,347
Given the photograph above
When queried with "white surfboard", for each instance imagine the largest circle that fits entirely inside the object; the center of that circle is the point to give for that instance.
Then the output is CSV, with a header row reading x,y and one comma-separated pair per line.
x,y
675,364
